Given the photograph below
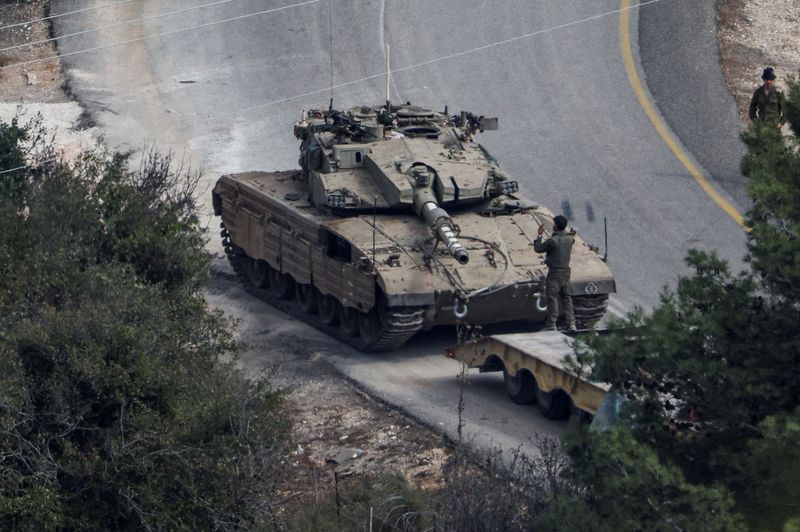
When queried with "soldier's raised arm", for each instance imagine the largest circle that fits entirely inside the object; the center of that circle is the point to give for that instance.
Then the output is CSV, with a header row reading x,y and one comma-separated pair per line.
x,y
539,246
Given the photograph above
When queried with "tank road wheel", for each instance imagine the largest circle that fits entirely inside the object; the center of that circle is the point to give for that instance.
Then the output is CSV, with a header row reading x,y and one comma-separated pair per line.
x,y
554,405
257,272
521,387
281,285
306,296
370,325
328,308
348,320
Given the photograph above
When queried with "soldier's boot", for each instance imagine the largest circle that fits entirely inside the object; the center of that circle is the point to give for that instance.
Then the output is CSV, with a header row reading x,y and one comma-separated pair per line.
x,y
572,328
549,326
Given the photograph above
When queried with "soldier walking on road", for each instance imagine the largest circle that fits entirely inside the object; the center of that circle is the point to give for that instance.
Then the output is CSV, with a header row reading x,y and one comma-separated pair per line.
x,y
559,250
767,102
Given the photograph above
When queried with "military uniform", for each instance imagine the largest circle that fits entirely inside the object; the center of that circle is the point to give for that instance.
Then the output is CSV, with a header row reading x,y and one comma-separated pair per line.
x,y
766,105
559,250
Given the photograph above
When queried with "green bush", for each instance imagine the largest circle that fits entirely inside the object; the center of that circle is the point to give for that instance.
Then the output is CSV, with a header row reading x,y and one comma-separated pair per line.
x,y
620,484
711,372
116,409
12,159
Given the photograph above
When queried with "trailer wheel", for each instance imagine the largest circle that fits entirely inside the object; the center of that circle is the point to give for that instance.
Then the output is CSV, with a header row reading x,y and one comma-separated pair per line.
x,y
554,405
521,387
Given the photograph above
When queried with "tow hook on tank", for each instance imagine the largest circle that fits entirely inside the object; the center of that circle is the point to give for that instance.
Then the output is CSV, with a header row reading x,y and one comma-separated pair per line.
x,y
460,309
539,306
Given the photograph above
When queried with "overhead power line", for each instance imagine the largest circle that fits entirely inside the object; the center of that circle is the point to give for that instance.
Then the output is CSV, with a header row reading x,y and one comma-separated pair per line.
x,y
347,83
355,81
15,169
116,25
451,56
32,165
165,34
51,17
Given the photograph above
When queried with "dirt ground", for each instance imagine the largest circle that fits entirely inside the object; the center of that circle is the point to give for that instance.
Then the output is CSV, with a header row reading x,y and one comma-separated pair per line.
x,y
754,34
333,420
39,82
36,88
336,426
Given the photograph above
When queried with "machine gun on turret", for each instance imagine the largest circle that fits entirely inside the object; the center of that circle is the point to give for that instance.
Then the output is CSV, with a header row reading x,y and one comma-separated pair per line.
x,y
368,132
470,124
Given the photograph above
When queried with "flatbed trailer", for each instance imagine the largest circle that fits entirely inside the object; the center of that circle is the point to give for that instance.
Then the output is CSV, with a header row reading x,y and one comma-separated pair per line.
x,y
535,370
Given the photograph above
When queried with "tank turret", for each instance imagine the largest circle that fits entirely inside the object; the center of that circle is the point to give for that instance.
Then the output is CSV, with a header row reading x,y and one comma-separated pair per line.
x,y
340,151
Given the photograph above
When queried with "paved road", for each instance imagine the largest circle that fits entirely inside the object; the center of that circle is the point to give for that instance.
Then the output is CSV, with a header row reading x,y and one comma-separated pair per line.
x,y
691,92
572,131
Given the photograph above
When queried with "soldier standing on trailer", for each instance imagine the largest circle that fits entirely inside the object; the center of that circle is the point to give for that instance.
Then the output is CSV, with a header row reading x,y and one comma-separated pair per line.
x,y
559,250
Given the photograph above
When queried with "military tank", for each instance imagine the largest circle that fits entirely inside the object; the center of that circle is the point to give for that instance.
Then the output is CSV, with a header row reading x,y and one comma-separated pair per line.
x,y
395,221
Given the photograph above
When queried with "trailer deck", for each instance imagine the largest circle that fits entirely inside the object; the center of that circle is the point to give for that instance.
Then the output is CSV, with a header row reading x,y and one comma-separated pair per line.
x,y
535,370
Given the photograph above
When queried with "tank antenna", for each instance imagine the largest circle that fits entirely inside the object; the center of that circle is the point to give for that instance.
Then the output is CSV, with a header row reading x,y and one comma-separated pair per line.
x,y
388,80
330,34
605,230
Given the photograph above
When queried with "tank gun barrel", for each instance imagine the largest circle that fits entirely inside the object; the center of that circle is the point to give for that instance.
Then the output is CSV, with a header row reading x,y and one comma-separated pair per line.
x,y
442,225
438,219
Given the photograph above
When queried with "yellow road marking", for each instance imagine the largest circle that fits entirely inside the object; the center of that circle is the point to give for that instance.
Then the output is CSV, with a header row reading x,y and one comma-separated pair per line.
x,y
661,128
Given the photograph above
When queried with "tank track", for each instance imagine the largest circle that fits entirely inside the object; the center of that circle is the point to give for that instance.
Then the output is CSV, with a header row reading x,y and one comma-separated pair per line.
x,y
399,325
589,309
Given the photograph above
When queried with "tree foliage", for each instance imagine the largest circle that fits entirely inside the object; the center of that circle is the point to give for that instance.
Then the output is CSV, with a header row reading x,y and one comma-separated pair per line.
x,y
710,363
771,494
773,166
116,409
619,483
593,481
712,374
12,158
